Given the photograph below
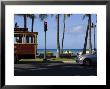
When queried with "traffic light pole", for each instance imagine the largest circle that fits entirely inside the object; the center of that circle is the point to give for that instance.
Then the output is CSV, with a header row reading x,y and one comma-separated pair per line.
x,y
45,48
45,29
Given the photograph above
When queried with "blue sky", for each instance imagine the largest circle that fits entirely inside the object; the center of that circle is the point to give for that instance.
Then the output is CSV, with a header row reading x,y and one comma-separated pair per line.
x,y
74,34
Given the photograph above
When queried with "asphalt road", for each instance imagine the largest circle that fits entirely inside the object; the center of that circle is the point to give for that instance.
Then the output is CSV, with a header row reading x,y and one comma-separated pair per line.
x,y
54,69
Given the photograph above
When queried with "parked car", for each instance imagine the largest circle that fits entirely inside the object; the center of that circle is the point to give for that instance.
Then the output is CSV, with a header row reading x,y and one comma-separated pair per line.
x,y
87,59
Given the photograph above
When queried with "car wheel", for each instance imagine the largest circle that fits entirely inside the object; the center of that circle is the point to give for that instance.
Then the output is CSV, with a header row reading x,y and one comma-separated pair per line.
x,y
87,62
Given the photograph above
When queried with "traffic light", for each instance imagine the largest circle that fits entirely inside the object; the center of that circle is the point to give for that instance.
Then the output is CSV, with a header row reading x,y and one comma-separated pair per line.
x,y
45,26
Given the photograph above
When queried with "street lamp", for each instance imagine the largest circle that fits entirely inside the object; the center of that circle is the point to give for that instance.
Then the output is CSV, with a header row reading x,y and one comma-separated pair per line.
x,y
45,29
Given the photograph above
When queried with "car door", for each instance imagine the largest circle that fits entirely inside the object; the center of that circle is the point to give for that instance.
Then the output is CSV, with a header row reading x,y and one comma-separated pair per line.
x,y
94,59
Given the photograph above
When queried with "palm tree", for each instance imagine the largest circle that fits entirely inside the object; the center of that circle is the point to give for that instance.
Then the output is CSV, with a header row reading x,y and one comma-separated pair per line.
x,y
94,26
90,43
32,17
88,29
25,20
94,33
63,31
58,42
65,15
85,43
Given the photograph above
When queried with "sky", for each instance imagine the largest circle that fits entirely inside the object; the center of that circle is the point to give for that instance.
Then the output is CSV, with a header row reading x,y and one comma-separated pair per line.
x,y
75,30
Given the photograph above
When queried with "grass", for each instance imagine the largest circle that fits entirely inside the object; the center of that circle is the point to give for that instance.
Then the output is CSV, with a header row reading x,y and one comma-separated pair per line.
x,y
62,59
37,59
53,60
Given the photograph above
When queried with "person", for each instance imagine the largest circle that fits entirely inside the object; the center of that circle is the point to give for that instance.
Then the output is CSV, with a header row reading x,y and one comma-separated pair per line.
x,y
17,40
16,26
77,53
67,51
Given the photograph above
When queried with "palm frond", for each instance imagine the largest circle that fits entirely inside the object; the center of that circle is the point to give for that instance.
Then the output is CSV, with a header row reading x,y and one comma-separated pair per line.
x,y
42,16
86,15
31,16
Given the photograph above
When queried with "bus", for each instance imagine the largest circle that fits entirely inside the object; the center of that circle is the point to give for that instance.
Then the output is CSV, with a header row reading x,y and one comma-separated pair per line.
x,y
25,44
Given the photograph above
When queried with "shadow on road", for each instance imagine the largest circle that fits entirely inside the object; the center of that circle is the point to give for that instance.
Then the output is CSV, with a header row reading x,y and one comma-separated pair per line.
x,y
54,69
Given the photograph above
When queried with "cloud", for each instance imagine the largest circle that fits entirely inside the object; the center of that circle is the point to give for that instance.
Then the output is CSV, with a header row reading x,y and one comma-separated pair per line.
x,y
75,29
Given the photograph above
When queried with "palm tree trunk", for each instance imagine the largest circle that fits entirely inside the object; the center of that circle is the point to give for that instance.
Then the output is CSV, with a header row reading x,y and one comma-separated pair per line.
x,y
25,21
85,43
90,44
63,32
58,43
32,24
94,37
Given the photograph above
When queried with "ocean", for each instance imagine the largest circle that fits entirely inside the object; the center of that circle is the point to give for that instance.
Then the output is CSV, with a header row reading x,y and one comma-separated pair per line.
x,y
75,51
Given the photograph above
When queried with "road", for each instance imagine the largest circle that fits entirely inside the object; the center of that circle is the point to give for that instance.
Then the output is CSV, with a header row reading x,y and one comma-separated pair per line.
x,y
54,69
